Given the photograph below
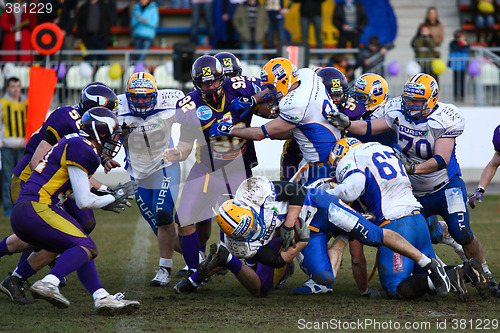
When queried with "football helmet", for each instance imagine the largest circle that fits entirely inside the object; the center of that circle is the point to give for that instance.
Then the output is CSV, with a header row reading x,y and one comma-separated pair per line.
x,y
240,221
371,90
336,85
141,85
230,64
279,74
206,71
341,148
97,94
100,124
420,96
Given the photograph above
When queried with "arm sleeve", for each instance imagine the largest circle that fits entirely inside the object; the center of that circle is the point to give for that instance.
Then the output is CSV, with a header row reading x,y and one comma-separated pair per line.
x,y
350,188
267,256
81,189
294,193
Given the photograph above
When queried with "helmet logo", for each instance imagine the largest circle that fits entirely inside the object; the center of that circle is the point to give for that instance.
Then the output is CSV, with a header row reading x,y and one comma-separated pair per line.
x,y
335,83
109,121
243,226
279,72
377,88
227,62
263,76
100,100
141,83
207,71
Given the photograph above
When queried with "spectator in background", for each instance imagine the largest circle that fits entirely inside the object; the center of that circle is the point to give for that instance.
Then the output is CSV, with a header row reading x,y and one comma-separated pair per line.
x,y
340,62
13,138
350,18
423,44
228,9
17,27
63,14
371,56
435,26
94,20
251,22
310,12
459,55
208,11
485,12
276,11
145,20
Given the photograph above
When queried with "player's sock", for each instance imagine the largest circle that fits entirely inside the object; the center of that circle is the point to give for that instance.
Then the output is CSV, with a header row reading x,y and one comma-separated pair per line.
x,y
87,274
99,293
3,248
52,279
167,263
233,264
69,261
424,261
24,256
413,287
486,269
24,270
195,279
190,250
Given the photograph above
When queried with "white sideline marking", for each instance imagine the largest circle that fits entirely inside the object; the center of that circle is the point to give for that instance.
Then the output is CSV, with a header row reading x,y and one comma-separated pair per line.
x,y
136,268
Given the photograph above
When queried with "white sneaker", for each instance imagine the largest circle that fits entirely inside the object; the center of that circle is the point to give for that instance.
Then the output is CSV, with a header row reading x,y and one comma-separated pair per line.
x,y
311,287
49,292
115,304
161,279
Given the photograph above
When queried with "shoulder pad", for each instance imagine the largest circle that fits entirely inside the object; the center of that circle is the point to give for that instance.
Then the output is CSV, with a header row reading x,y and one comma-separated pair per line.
x,y
256,190
167,98
446,116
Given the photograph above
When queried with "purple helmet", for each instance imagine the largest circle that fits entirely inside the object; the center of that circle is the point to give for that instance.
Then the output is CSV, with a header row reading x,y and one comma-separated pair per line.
x,y
207,70
336,85
230,63
97,94
101,124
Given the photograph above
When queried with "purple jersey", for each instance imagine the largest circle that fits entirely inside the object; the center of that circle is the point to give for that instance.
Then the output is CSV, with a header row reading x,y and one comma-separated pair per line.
x,y
496,139
49,183
196,117
64,120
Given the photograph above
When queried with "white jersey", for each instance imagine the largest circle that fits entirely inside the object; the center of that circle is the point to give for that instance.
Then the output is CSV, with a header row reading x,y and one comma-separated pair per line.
x,y
307,107
387,190
150,135
417,141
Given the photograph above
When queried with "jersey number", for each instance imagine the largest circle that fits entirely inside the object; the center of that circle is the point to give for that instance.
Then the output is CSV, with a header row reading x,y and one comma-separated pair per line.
x,y
386,170
423,147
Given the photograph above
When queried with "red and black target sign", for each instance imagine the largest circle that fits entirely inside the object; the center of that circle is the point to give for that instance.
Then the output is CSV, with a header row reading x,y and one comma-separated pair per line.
x,y
47,38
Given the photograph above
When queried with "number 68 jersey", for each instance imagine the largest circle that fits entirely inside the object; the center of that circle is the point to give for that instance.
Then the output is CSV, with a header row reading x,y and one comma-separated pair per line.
x,y
146,137
417,140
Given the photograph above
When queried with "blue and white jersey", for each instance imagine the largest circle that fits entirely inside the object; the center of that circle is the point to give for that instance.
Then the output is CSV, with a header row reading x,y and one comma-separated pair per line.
x,y
148,136
387,138
417,141
387,190
307,107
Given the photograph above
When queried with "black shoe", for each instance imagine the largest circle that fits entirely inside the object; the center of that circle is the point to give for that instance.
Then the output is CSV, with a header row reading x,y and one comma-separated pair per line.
x,y
13,287
183,273
185,287
438,277
475,273
456,276
217,257
493,284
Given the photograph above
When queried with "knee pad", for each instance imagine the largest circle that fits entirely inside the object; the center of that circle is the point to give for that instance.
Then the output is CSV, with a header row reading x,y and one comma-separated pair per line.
x,y
412,287
323,278
467,238
164,217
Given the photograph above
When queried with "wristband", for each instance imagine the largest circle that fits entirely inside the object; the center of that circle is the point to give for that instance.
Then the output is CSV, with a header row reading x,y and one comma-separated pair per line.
x,y
104,188
105,160
480,189
266,134
180,153
368,128
440,161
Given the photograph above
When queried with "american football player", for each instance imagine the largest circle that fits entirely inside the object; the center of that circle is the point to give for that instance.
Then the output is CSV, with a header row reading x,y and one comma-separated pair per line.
x,y
146,115
222,163
427,131
37,218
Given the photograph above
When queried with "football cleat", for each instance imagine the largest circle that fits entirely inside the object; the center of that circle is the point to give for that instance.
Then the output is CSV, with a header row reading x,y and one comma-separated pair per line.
x,y
162,278
217,257
184,272
438,277
474,271
311,287
493,284
115,304
13,287
50,293
456,276
185,287
371,293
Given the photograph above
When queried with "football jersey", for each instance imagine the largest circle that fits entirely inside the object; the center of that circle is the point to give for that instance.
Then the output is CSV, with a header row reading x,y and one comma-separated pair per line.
x,y
148,136
417,139
49,183
387,190
62,121
496,139
387,138
307,106
196,116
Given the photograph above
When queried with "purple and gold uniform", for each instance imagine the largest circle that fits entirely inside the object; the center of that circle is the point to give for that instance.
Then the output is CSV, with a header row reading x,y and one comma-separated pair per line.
x,y
38,209
222,163
64,120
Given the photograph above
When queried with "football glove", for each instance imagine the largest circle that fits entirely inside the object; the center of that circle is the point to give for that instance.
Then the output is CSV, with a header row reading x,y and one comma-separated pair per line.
x,y
243,105
122,194
478,195
222,128
302,231
339,120
287,237
408,165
